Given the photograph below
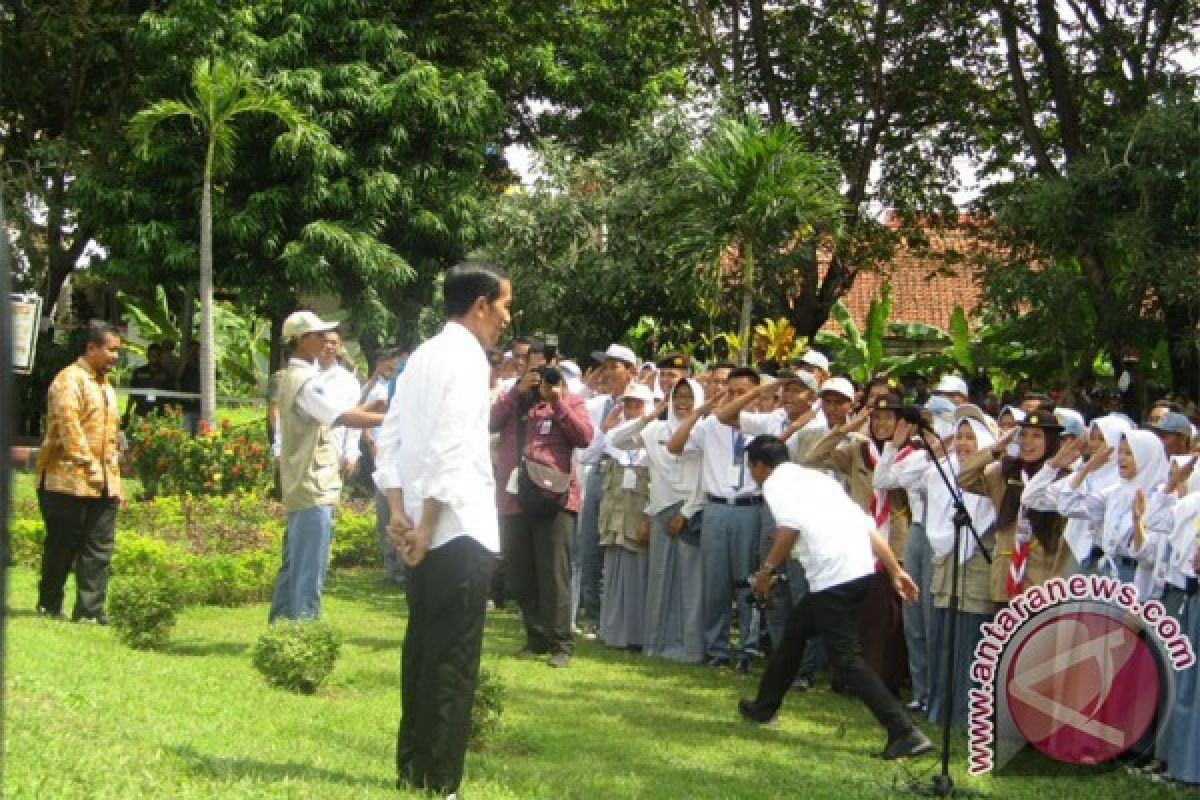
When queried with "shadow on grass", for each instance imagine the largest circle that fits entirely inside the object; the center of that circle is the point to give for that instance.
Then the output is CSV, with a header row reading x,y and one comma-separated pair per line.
x,y
202,648
216,766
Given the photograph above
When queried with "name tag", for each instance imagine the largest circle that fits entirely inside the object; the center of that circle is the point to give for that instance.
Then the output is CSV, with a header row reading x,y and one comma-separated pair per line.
x,y
735,476
511,487
629,480
544,426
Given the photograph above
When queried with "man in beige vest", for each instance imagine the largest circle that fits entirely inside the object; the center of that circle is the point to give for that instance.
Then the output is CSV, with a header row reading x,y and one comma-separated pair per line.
x,y
310,478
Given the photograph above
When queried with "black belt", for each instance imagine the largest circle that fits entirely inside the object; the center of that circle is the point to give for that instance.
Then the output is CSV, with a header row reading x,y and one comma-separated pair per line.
x,y
747,500
1190,586
1126,561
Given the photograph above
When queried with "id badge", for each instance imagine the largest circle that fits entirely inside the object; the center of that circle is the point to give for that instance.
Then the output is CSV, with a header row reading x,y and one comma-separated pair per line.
x,y
544,426
630,479
735,476
511,488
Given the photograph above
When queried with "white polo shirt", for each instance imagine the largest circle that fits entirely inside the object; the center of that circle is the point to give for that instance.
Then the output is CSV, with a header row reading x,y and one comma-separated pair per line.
x,y
721,473
834,535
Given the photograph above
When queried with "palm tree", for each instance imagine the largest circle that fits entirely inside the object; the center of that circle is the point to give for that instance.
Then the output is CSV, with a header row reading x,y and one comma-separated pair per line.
x,y
221,92
753,188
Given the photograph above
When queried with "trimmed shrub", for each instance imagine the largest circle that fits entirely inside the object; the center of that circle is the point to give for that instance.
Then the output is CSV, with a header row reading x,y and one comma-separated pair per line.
x,y
354,540
216,461
142,609
25,537
297,655
489,705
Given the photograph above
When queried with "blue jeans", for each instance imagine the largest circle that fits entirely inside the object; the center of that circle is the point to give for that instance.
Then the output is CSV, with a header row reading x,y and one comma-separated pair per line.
x,y
918,563
305,559
588,567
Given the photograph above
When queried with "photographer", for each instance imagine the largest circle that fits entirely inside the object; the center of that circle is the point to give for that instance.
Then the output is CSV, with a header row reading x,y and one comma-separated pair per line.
x,y
540,423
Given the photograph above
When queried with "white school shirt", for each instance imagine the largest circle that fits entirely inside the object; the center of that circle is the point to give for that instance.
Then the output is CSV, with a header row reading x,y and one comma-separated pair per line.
x,y
716,442
348,390
673,479
834,535
434,442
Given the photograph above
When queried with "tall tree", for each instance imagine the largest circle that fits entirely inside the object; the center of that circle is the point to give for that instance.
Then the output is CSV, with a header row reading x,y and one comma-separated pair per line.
x,y
221,93
754,188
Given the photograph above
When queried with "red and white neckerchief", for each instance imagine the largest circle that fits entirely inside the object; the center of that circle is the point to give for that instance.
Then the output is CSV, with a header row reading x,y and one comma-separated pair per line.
x,y
881,499
1014,584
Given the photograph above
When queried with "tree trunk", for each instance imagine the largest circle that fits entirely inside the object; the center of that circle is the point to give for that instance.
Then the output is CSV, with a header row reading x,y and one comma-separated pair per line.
x,y
208,370
747,303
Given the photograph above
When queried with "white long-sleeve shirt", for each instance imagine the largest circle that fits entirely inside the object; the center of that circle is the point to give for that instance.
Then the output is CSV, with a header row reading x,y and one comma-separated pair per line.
x,y
673,479
434,441
348,390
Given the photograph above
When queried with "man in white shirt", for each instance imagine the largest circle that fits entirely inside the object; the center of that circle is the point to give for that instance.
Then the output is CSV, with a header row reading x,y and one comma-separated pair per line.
x,y
435,467
310,406
732,520
837,544
346,387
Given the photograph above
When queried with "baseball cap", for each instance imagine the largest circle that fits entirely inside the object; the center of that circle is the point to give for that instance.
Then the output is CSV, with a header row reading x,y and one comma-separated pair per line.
x,y
618,351
1174,422
839,386
638,391
805,379
570,369
952,384
1071,421
300,323
814,358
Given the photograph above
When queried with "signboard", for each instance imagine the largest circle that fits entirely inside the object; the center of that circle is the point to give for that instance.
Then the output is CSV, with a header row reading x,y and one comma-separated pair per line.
x,y
26,313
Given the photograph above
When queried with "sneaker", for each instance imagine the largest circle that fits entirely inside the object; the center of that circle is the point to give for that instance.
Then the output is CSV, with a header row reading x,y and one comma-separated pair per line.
x,y
752,711
559,660
717,661
743,665
916,707
802,683
913,743
42,611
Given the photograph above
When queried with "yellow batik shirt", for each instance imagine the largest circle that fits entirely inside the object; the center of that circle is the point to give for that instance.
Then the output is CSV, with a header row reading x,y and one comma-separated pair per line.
x,y
79,455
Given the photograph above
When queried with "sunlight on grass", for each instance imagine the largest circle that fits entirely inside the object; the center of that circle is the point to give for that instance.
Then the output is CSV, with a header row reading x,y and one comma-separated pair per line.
x,y
89,718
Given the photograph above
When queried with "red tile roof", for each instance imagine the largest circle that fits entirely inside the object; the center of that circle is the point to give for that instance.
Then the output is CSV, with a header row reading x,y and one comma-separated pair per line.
x,y
926,284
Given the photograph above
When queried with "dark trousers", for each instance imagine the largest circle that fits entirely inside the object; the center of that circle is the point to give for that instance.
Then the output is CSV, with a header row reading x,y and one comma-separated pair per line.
x,y
537,556
79,534
831,614
447,602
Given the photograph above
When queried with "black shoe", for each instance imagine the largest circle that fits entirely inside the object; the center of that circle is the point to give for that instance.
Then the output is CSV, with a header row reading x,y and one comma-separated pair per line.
x,y
42,611
717,661
743,665
913,743
802,683
559,660
916,707
752,711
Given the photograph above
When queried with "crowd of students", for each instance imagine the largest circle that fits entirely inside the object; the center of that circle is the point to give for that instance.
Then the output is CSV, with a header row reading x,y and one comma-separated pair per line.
x,y
653,535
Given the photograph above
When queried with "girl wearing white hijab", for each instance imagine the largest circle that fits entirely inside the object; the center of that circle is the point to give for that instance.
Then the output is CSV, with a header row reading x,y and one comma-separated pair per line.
x,y
1176,568
674,622
1142,466
974,590
1082,535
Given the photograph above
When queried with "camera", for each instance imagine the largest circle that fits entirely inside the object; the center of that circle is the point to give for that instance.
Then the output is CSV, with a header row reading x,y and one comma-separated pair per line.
x,y
551,375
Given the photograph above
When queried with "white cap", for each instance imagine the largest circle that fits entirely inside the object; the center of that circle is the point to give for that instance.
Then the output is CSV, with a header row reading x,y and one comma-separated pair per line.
x,y
815,358
618,351
839,386
638,391
570,369
952,384
300,323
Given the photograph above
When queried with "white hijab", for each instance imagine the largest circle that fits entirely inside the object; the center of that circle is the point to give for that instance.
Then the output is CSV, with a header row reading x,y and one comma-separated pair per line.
x,y
1152,466
697,401
1111,428
939,513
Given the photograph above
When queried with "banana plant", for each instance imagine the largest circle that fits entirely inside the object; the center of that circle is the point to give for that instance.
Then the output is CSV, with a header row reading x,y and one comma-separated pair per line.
x,y
859,352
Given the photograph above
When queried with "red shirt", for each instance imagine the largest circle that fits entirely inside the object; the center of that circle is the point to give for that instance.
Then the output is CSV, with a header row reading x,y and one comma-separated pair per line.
x,y
552,432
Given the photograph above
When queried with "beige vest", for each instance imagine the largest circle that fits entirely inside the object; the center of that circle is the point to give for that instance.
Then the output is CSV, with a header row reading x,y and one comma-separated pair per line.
x,y
308,465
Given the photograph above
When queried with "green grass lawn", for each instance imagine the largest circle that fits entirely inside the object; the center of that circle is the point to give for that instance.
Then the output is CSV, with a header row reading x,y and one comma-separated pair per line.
x,y
88,718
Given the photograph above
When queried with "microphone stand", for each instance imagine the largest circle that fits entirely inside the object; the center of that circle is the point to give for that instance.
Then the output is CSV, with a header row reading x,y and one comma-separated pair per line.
x,y
942,784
